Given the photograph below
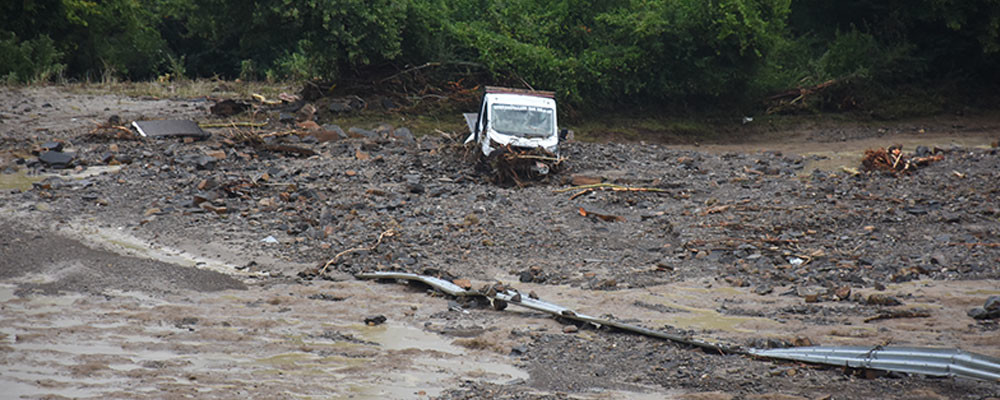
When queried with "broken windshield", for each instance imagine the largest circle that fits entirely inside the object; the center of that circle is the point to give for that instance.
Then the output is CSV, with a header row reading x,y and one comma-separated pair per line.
x,y
523,121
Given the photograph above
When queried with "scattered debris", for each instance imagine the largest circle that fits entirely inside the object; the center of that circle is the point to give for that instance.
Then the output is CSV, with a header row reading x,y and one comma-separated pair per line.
x,y
926,361
507,296
517,165
269,240
170,128
336,258
584,189
893,160
794,99
112,130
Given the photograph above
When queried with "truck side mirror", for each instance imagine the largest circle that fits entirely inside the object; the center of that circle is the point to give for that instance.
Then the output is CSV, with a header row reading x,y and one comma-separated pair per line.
x,y
563,133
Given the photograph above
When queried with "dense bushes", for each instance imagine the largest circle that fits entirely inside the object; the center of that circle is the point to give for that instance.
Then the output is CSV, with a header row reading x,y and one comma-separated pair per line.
x,y
607,52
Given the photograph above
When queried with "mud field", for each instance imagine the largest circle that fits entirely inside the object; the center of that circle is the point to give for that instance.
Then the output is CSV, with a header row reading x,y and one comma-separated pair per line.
x,y
173,269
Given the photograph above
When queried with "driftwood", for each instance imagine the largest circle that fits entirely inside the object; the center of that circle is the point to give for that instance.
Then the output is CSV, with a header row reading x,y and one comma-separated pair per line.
x,y
584,189
336,258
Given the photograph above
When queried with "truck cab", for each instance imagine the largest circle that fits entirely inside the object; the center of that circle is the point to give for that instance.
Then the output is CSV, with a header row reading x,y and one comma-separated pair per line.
x,y
515,119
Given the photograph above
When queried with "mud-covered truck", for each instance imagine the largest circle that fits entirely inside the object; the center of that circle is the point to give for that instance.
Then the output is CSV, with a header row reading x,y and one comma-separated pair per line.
x,y
517,129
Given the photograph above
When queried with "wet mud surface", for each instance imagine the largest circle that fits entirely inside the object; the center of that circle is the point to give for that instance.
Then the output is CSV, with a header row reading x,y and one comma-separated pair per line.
x,y
155,268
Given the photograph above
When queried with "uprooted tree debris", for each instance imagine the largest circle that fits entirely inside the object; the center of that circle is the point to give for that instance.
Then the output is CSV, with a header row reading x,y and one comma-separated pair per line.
x,y
893,160
926,361
515,165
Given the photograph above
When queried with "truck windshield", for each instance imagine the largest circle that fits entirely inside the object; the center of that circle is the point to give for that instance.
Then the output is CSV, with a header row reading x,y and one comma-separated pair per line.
x,y
522,121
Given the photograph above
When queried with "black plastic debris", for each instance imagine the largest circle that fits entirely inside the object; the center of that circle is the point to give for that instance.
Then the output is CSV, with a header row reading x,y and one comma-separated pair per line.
x,y
170,128
56,159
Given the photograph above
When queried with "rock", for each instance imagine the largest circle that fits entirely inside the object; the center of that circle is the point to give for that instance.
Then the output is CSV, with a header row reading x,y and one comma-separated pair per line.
x,y
108,158
339,107
570,329
939,259
213,208
384,130
415,188
388,104
736,282
518,350
308,126
375,320
330,132
463,283
882,300
403,134
203,197
922,151
286,118
763,290
56,159
216,154
306,113
51,146
229,107
359,133
992,303
842,293
978,313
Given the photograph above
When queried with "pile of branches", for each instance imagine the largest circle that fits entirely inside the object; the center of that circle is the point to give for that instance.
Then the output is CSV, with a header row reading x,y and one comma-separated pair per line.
x,y
894,161
112,130
517,166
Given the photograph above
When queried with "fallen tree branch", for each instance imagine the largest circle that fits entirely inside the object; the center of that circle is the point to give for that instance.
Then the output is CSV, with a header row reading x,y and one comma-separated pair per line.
x,y
584,189
336,258
428,65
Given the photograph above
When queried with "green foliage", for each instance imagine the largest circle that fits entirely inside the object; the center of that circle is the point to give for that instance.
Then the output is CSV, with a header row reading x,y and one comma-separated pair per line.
x,y
34,60
594,53
624,52
89,37
285,39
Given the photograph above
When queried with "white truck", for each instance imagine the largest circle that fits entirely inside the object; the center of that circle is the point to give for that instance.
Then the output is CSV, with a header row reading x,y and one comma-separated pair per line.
x,y
519,123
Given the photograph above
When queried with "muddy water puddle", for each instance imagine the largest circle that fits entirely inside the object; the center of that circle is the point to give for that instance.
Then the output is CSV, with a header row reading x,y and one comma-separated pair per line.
x,y
204,345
